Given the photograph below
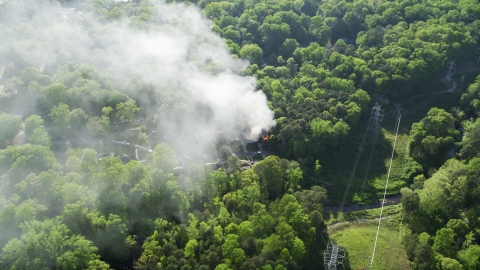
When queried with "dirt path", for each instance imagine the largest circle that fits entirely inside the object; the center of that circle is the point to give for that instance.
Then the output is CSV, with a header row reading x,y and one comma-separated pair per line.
x,y
338,224
353,208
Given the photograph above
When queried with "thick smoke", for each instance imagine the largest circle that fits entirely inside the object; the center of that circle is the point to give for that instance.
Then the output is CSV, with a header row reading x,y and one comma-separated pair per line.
x,y
193,81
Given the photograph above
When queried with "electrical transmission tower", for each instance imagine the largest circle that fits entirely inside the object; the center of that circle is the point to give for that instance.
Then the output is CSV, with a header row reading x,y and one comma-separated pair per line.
x,y
372,126
377,117
333,256
451,69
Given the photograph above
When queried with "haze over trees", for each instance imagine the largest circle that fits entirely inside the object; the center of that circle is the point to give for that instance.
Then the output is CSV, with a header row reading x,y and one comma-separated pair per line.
x,y
80,80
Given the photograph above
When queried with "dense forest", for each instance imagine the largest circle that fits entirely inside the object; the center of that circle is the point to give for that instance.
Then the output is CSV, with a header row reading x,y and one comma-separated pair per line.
x,y
194,134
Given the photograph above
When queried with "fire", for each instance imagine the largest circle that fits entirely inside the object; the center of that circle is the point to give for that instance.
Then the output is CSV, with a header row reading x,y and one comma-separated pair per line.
x,y
266,137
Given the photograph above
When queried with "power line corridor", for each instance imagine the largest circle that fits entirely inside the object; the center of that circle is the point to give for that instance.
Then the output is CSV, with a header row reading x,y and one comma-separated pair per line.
x,y
332,258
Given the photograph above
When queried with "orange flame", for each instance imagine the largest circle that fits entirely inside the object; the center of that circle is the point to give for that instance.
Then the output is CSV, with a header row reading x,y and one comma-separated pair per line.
x,y
266,137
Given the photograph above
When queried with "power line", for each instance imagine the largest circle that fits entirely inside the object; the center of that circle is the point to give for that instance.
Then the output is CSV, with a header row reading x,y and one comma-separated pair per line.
x,y
424,102
419,106
367,168
370,263
448,78
412,111
369,159
374,115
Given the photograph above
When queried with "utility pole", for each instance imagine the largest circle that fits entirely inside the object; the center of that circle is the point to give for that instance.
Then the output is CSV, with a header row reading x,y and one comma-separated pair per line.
x,y
377,117
451,69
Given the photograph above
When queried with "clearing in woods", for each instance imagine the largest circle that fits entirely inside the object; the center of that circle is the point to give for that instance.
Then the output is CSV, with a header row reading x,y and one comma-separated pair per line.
x,y
359,238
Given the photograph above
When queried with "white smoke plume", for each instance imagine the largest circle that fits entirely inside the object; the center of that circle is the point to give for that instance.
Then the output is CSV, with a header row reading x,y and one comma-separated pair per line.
x,y
192,77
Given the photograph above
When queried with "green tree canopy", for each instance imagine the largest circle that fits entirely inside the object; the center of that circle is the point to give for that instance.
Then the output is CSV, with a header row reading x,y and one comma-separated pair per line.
x,y
10,127
48,244
251,52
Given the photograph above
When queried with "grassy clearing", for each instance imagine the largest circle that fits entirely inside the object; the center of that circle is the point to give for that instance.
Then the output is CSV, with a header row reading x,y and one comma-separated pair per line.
x,y
359,239
334,217
336,169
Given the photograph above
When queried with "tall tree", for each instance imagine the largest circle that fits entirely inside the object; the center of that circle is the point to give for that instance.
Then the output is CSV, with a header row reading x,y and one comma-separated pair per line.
x,y
31,123
61,119
10,127
127,109
48,244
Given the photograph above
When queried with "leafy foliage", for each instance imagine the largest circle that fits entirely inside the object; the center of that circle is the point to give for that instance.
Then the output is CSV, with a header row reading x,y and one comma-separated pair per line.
x,y
65,203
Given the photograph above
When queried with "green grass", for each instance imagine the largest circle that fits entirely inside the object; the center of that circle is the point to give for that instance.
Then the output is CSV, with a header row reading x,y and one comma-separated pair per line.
x,y
337,167
388,211
358,239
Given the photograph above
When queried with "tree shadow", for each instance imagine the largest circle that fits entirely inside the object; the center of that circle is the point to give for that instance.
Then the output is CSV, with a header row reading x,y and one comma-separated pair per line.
x,y
372,164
